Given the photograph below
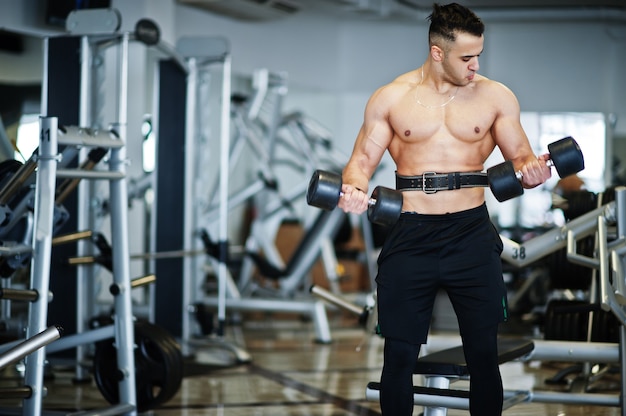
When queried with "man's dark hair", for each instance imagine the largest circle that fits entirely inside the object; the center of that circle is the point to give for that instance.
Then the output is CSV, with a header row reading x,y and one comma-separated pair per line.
x,y
451,18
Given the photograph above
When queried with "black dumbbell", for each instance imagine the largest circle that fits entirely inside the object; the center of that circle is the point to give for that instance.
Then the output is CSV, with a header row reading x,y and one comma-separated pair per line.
x,y
565,156
324,192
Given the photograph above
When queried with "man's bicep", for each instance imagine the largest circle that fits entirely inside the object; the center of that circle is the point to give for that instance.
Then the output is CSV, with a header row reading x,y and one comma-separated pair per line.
x,y
511,139
371,144
507,130
376,126
377,133
374,136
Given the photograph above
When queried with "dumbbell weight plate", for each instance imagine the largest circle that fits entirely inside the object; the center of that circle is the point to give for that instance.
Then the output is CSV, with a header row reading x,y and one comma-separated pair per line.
x,y
324,190
387,208
566,156
158,367
503,181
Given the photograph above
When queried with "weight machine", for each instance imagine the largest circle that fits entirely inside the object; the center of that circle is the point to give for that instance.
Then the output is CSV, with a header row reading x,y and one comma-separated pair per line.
x,y
275,141
71,82
122,328
261,188
183,82
57,99
198,218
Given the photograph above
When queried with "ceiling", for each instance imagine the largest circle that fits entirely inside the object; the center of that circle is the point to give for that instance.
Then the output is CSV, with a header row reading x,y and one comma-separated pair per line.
x,y
614,10
411,9
525,4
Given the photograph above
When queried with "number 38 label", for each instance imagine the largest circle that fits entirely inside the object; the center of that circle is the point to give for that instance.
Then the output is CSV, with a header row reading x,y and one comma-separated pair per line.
x,y
519,253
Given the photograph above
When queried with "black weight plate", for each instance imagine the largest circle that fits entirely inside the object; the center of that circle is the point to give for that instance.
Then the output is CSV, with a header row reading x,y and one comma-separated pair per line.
x,y
387,208
549,330
577,332
566,156
159,376
324,190
106,374
158,367
158,371
503,182
170,351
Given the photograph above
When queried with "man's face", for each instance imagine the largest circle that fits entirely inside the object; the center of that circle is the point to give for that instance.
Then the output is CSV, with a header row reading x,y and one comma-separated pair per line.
x,y
460,61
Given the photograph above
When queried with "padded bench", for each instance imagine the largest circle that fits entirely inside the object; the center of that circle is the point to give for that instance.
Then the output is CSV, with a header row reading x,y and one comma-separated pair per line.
x,y
443,367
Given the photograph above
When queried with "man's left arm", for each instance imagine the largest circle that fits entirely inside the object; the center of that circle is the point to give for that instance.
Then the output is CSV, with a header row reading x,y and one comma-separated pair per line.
x,y
510,137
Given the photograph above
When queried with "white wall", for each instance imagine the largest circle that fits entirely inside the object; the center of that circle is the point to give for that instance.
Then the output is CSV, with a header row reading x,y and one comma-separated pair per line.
x,y
558,66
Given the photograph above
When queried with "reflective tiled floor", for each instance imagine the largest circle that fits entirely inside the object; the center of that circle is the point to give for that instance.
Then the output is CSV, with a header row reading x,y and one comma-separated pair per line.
x,y
290,374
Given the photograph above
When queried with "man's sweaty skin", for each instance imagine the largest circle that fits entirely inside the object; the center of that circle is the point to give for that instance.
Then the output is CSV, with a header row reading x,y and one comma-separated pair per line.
x,y
426,138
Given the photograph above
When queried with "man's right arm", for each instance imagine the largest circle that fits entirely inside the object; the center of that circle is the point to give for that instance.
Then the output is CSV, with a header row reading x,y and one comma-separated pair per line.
x,y
510,137
370,145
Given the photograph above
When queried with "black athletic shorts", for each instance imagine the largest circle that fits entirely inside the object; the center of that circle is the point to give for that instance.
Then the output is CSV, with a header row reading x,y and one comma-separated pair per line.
x,y
457,252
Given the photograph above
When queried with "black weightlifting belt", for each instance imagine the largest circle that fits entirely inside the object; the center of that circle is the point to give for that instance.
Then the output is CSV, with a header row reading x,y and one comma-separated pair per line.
x,y
431,182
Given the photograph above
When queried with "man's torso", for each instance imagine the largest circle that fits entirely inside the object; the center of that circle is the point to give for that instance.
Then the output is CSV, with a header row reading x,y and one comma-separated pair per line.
x,y
455,137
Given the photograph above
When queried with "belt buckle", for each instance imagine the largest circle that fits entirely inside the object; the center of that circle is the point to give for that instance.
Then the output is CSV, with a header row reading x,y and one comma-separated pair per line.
x,y
431,190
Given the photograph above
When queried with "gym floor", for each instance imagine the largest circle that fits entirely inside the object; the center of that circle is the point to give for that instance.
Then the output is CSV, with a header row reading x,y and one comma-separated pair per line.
x,y
290,374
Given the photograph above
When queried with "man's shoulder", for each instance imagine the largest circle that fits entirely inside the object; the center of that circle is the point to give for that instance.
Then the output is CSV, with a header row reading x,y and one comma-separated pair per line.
x,y
399,85
483,82
488,87
406,80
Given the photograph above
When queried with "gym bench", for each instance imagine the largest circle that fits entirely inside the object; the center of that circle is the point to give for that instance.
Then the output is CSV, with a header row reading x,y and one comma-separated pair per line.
x,y
443,367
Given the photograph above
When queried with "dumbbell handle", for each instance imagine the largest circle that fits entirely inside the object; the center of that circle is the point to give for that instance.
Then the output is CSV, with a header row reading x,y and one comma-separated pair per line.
x,y
370,201
519,175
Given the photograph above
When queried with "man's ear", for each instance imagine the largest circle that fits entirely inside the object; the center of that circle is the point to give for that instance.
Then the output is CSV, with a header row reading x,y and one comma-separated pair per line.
x,y
436,53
